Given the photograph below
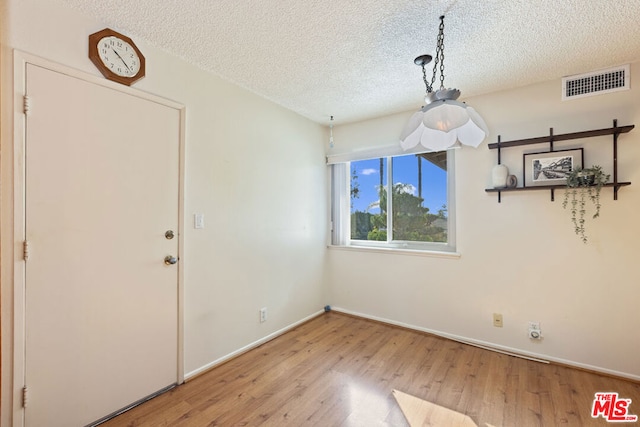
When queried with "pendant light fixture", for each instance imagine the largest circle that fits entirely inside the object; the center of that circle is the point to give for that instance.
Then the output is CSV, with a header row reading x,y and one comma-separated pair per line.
x,y
443,122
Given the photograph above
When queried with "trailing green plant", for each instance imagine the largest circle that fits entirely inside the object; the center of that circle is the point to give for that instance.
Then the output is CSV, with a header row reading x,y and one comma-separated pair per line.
x,y
582,185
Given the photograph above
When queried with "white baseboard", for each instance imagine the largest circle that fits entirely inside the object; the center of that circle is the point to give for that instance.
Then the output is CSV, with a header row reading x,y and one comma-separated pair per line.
x,y
495,347
470,341
248,347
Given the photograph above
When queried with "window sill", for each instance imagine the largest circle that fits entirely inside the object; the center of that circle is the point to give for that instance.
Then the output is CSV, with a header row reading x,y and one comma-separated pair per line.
x,y
397,251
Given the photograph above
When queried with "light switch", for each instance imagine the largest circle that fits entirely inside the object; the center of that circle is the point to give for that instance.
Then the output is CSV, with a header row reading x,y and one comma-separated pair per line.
x,y
198,220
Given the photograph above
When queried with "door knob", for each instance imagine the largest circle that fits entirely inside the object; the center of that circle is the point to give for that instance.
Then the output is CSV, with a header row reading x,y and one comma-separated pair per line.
x,y
170,260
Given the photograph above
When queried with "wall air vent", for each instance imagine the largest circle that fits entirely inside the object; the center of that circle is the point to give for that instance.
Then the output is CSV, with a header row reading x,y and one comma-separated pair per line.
x,y
596,83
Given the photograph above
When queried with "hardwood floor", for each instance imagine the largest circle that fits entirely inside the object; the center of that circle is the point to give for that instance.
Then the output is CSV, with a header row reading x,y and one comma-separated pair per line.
x,y
337,370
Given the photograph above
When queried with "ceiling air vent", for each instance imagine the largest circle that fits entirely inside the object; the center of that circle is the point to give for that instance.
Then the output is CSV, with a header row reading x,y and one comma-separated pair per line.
x,y
596,83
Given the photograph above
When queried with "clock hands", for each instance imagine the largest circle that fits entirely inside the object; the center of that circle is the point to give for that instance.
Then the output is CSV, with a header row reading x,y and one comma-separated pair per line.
x,y
125,64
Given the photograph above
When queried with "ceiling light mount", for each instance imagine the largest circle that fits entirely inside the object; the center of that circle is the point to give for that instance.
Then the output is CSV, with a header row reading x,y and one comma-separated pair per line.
x,y
443,120
423,60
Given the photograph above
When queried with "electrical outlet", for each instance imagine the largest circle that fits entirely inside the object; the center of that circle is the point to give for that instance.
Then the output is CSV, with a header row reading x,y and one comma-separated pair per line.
x,y
534,331
263,314
497,320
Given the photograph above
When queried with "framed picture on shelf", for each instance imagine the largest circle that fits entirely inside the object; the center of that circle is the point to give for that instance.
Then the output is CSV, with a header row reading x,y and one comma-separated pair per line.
x,y
550,167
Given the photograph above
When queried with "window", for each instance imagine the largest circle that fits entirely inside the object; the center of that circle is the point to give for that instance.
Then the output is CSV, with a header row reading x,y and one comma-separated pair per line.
x,y
419,213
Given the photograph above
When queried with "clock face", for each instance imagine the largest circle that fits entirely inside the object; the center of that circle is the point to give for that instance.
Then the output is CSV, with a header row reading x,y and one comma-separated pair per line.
x,y
116,56
119,56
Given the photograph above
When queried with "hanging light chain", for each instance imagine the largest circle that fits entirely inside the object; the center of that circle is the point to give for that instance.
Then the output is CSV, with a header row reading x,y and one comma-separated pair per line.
x,y
435,68
424,77
439,59
440,52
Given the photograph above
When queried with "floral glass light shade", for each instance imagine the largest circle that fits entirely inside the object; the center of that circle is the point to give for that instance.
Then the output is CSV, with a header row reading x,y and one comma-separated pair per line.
x,y
438,127
443,122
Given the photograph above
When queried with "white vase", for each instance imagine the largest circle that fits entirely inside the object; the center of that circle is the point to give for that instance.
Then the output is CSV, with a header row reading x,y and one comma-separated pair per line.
x,y
499,175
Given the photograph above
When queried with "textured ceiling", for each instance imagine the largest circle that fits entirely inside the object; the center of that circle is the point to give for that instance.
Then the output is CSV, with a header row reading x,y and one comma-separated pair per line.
x,y
353,59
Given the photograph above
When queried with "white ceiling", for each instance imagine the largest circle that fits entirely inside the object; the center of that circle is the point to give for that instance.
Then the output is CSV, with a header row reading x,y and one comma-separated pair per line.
x,y
353,59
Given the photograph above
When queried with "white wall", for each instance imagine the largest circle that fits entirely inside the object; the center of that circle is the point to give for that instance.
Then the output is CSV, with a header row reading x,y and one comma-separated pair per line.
x,y
521,257
255,170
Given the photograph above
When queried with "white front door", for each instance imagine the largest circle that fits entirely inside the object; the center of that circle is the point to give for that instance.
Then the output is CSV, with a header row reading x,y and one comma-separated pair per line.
x,y
101,305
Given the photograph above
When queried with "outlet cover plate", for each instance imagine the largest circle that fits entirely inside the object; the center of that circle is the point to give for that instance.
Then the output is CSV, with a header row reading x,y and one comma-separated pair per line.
x,y
497,320
534,325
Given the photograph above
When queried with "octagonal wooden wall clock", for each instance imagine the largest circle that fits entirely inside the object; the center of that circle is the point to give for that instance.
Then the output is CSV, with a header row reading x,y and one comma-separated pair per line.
x,y
116,56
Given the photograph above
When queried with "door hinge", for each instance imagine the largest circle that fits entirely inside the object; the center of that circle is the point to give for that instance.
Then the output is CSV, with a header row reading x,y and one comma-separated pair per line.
x,y
24,396
25,250
26,104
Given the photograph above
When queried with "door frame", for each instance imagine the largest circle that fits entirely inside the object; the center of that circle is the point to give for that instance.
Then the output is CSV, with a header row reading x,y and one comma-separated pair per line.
x,y
17,216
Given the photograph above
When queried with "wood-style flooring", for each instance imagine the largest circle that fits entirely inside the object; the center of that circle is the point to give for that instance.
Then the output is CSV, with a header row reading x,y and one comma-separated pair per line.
x,y
338,370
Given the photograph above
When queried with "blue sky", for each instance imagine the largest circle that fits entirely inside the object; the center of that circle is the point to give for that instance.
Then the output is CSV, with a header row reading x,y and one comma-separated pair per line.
x,y
405,170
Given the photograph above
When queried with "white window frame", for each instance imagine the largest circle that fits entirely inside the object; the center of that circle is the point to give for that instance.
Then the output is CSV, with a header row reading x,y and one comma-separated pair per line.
x,y
341,215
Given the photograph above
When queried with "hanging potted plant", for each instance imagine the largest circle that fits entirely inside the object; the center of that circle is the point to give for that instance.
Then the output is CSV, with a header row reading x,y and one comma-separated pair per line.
x,y
582,185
